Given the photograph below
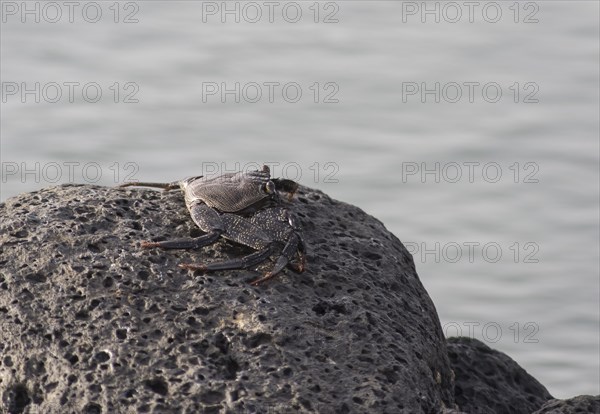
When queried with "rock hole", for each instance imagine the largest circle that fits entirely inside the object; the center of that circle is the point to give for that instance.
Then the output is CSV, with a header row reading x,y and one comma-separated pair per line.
x,y
158,385
102,356
82,315
92,247
92,408
121,333
258,339
320,308
20,234
344,409
17,398
201,310
221,342
372,255
36,278
231,368
72,358
211,397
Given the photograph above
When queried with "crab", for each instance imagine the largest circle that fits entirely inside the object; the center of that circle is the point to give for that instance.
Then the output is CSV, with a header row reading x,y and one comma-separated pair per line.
x,y
245,208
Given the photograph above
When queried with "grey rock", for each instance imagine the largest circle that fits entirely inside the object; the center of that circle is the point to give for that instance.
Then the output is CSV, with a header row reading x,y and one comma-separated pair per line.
x,y
91,323
581,404
489,381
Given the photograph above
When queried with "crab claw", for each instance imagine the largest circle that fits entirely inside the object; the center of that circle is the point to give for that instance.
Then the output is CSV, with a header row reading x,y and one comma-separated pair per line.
x,y
263,279
302,262
191,266
297,267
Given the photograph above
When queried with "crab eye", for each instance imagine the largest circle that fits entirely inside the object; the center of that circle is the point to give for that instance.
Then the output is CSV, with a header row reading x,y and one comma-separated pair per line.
x,y
269,187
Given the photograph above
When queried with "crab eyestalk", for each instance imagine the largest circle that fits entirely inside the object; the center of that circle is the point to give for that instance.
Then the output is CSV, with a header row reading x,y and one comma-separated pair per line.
x,y
286,186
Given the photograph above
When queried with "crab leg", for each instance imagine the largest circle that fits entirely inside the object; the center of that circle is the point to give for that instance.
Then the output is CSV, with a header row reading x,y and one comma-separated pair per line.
x,y
288,252
165,186
194,243
239,230
207,219
238,263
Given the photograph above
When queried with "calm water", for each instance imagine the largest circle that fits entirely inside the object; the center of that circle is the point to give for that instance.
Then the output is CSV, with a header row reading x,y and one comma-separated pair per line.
x,y
506,242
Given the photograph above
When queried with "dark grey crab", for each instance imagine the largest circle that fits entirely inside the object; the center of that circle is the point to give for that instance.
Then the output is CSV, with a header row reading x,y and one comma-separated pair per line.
x,y
244,207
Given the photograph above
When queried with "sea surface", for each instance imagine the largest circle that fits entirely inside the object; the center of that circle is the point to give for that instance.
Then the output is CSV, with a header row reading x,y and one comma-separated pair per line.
x,y
471,132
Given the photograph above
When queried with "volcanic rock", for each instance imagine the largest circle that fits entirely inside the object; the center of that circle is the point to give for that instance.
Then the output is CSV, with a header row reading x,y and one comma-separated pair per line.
x,y
577,405
92,323
489,381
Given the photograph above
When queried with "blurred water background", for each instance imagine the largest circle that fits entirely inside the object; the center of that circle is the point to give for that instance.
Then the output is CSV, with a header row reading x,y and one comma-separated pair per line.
x,y
511,259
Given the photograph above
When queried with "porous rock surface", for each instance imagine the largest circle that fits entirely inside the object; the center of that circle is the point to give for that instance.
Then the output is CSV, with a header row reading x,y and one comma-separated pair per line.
x,y
582,404
92,323
489,381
